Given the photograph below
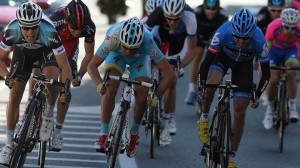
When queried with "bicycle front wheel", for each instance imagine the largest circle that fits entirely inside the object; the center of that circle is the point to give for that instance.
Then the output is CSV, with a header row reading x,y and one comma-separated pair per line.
x,y
21,150
281,135
42,153
115,146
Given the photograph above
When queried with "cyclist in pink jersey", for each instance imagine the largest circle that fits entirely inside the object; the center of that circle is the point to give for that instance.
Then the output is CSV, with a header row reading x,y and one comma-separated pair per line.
x,y
283,37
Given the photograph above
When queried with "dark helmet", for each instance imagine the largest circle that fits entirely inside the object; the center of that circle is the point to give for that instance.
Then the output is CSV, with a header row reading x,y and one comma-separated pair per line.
x,y
77,14
212,3
276,2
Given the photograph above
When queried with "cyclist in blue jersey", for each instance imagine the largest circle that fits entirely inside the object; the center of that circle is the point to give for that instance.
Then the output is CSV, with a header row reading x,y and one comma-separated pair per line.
x,y
234,46
127,43
34,38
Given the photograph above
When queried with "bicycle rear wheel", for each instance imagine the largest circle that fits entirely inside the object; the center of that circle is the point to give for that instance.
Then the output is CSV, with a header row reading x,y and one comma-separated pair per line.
x,y
21,150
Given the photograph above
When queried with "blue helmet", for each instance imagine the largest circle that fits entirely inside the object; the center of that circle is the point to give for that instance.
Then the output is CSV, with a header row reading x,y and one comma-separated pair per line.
x,y
243,23
276,3
212,3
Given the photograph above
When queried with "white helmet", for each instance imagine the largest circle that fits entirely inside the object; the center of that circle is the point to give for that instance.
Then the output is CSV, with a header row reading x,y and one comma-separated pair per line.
x,y
174,8
29,14
290,16
132,33
150,5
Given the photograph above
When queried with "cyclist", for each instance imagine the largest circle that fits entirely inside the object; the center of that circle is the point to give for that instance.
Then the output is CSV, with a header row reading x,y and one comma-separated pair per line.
x,y
234,46
173,23
282,38
35,38
127,42
268,13
210,16
72,22
149,7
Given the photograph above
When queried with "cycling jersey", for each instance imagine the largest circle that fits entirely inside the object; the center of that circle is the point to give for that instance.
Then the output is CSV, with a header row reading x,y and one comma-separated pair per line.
x,y
223,39
70,42
275,35
223,53
161,31
48,37
110,51
205,27
263,19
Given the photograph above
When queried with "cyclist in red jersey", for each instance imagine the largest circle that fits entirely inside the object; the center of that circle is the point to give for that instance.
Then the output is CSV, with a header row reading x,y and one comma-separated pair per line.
x,y
71,22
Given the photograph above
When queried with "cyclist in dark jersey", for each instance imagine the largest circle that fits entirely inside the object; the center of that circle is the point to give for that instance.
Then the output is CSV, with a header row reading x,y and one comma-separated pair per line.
x,y
210,16
34,38
174,22
268,13
72,22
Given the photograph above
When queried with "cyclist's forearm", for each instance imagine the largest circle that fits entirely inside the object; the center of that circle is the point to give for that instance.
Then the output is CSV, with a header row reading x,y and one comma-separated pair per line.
x,y
3,70
203,71
265,68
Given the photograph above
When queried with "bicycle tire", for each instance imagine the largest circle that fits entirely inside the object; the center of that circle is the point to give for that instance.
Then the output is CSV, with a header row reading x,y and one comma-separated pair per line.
x,y
221,140
209,158
19,155
228,135
282,110
42,153
152,131
119,132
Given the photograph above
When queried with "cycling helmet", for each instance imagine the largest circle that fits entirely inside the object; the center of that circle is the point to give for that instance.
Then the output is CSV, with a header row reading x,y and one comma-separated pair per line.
x,y
29,14
290,16
243,23
276,2
132,33
150,5
174,8
77,14
212,3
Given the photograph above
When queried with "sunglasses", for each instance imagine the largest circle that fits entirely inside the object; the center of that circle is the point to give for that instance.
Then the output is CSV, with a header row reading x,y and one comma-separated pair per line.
x,y
243,38
173,19
289,27
26,28
126,48
211,8
276,11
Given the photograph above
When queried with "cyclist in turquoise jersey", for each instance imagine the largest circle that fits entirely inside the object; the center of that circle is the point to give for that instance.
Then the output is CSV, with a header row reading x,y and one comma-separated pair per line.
x,y
127,43
234,46
35,39
283,38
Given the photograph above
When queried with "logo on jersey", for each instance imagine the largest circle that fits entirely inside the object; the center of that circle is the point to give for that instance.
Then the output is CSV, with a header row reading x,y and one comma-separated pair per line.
x,y
75,57
139,67
49,55
105,50
265,51
153,54
107,38
117,59
89,30
58,23
9,37
215,40
150,41
52,39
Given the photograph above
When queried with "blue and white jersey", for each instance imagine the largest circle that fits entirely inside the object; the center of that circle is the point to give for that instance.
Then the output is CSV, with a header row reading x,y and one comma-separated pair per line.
x,y
224,40
47,36
112,43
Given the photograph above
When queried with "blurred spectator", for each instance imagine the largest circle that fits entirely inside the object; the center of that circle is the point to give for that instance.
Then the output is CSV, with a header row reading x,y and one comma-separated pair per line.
x,y
112,8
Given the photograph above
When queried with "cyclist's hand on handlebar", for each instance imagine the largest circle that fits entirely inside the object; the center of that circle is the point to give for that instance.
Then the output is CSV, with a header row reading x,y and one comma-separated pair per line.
x,y
152,101
76,81
178,73
10,82
101,89
254,104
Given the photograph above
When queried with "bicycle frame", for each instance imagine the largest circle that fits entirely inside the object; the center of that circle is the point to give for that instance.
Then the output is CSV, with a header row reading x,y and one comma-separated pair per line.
x,y
282,112
217,151
117,138
28,134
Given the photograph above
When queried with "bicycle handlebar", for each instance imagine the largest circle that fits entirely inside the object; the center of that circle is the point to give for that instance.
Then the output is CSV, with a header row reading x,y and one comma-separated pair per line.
x,y
285,68
45,79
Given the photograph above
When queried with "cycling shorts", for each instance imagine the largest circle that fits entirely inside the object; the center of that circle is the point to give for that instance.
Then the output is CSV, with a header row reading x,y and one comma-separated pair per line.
x,y
138,66
26,58
279,56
